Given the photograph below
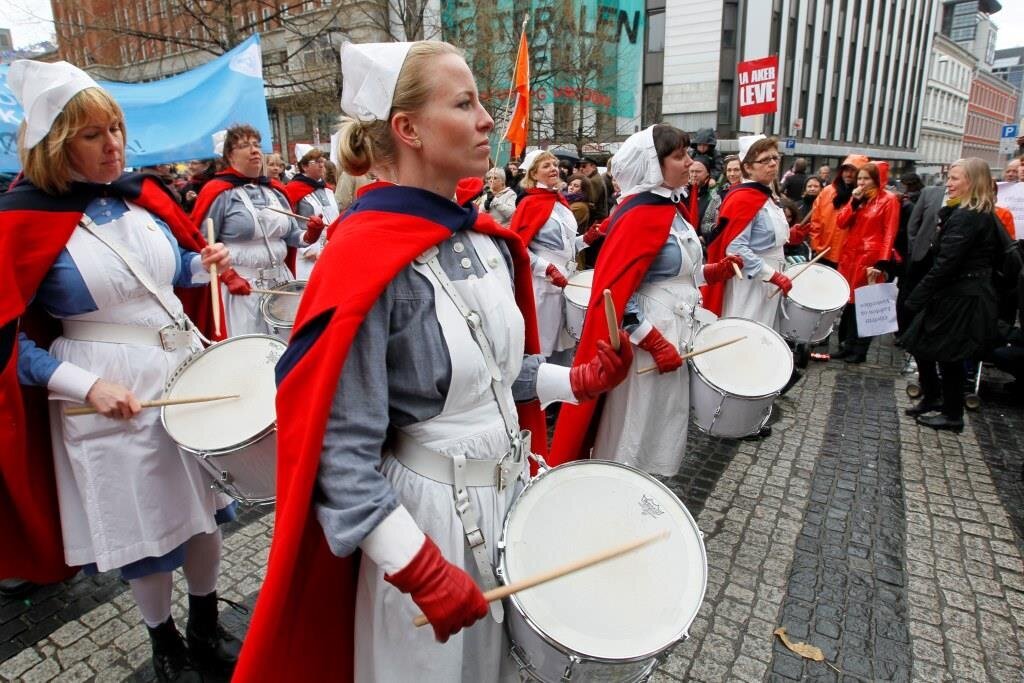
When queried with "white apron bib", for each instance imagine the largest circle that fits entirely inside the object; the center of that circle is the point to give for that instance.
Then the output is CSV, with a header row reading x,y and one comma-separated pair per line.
x,y
550,302
645,419
125,491
307,256
387,647
748,298
261,256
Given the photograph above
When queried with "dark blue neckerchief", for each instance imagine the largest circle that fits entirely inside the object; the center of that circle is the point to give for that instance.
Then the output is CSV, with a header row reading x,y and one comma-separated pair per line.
x,y
642,199
416,202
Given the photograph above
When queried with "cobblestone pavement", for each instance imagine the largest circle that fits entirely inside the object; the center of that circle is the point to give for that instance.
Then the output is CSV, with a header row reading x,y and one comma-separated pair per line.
x,y
894,549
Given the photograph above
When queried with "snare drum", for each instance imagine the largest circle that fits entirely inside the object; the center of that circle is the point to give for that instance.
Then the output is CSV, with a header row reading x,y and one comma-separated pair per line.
x,y
577,298
815,303
732,388
279,309
608,622
235,440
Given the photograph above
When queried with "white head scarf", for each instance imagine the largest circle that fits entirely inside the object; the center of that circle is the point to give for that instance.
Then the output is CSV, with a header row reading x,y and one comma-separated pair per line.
x,y
529,160
745,142
369,73
43,90
636,166
301,150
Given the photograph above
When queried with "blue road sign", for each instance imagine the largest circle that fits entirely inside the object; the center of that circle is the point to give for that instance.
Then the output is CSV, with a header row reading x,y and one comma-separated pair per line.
x,y
791,143
1010,131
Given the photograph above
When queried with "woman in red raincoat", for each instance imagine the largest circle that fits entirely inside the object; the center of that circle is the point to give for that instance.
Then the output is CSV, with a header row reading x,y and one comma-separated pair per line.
x,y
870,220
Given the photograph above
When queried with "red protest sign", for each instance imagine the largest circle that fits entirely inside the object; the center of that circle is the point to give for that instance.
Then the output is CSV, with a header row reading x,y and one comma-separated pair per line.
x,y
757,82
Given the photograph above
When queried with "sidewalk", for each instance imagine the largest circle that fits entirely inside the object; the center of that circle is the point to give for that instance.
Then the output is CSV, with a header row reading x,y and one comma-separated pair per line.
x,y
895,549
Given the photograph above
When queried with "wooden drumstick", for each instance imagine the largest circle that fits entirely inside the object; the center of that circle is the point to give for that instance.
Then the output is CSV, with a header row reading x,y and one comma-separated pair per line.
x,y
801,271
613,323
214,282
576,284
697,352
89,410
736,269
256,290
502,592
288,213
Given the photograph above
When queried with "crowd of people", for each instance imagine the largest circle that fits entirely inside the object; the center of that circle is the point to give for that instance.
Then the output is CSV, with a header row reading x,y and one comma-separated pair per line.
x,y
431,352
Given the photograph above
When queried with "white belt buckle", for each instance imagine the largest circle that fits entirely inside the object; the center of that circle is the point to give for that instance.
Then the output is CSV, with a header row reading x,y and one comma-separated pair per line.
x,y
173,337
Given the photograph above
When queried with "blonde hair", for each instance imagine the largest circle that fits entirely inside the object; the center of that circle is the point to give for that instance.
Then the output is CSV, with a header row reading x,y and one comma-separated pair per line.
x,y
979,177
529,182
364,144
48,164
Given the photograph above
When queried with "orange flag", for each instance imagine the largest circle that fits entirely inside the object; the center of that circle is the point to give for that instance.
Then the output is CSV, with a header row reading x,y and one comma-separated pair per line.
x,y
519,124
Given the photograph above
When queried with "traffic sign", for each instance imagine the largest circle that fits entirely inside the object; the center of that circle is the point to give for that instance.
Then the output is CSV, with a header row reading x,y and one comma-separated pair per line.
x,y
790,143
1009,131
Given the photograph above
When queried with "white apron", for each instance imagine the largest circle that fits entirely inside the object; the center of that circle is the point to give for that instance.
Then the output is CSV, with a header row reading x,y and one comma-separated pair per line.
x,y
550,302
748,298
125,491
645,419
261,262
387,647
306,258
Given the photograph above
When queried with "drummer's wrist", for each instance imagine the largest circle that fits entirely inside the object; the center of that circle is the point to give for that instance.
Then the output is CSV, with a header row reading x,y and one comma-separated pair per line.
x,y
767,272
641,331
553,385
199,275
394,542
71,381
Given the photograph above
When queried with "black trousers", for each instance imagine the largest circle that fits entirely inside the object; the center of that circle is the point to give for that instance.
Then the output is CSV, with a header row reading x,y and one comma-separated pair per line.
x,y
848,339
950,387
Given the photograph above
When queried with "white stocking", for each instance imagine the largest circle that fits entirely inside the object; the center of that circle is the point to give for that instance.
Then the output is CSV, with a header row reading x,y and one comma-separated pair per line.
x,y
202,563
153,596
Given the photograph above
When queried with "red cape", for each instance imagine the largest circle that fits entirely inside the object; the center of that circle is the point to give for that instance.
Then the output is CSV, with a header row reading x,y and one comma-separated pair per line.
x,y
222,181
739,207
360,191
302,628
533,212
637,230
297,188
34,227
468,189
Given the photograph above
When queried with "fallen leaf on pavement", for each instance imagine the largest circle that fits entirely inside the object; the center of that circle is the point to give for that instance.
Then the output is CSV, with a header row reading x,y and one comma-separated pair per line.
x,y
802,649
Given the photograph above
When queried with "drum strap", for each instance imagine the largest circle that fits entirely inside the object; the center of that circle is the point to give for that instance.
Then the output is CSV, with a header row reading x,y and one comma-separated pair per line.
x,y
247,202
179,319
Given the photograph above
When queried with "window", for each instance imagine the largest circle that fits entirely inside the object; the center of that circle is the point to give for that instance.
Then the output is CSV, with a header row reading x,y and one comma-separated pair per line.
x,y
266,18
656,32
297,125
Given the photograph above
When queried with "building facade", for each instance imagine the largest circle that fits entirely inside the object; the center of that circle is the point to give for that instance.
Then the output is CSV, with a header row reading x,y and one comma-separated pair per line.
x,y
852,72
968,24
992,105
944,116
1009,66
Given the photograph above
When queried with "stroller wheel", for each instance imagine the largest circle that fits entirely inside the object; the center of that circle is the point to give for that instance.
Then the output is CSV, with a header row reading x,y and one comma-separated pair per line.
x,y
913,390
972,401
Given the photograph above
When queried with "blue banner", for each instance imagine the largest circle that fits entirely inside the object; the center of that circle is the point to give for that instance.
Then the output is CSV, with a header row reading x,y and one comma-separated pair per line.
x,y
172,119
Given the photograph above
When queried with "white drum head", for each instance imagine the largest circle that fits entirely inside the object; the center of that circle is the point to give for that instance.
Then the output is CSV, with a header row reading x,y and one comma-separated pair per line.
x,y
280,310
578,291
628,608
241,365
820,288
757,366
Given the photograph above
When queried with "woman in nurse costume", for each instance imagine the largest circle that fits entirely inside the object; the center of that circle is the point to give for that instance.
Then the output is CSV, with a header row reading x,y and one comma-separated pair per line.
x,y
413,371
101,251
652,263
246,211
310,195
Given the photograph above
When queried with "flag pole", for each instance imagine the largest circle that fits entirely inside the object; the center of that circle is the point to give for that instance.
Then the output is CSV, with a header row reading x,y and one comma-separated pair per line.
x,y
508,100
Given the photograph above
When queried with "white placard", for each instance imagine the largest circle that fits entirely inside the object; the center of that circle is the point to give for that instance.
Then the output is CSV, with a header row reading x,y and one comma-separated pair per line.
x,y
876,309
1011,196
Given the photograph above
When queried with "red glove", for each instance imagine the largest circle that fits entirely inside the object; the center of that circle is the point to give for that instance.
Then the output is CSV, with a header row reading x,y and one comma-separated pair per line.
x,y
593,234
314,226
782,282
237,284
556,277
797,234
447,595
665,354
604,371
721,271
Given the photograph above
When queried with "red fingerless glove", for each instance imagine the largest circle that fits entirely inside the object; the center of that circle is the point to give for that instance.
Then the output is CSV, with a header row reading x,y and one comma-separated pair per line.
x,y
797,234
314,226
447,595
721,271
556,277
604,371
593,234
236,284
666,355
782,282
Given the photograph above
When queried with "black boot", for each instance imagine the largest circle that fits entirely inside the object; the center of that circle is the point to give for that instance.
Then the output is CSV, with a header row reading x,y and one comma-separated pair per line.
x,y
170,658
213,649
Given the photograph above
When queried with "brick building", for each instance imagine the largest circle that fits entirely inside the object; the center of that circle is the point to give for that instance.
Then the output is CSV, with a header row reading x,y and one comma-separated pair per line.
x,y
992,105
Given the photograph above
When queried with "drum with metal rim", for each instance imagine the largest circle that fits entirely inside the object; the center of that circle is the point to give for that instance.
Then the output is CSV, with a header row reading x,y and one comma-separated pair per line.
x,y
576,298
814,305
610,621
279,309
235,440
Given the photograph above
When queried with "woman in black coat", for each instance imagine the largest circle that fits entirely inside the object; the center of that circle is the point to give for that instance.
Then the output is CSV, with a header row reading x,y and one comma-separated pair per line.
x,y
954,304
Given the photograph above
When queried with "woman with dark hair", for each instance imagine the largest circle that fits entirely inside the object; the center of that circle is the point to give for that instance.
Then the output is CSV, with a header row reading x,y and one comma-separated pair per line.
x,y
870,222
812,188
115,493
200,172
577,194
405,398
822,221
246,211
310,196
954,305
652,263
731,176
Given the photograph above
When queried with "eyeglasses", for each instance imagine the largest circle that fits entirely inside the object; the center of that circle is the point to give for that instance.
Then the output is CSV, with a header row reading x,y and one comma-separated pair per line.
x,y
768,160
